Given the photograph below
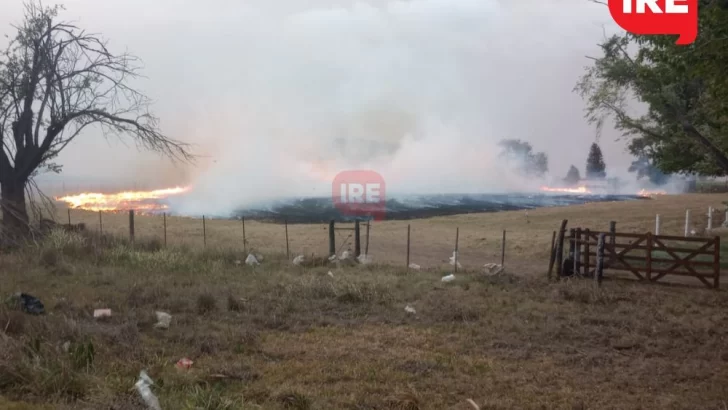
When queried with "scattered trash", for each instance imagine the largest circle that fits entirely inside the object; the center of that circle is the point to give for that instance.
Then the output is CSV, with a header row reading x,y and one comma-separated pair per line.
x,y
473,403
251,260
331,274
298,260
345,255
99,313
492,269
259,257
238,262
364,259
28,304
448,278
142,386
332,258
410,309
414,266
66,346
453,257
163,320
184,363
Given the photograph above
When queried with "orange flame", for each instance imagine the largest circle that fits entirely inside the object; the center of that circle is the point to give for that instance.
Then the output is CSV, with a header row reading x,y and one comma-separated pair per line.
x,y
145,201
578,190
649,194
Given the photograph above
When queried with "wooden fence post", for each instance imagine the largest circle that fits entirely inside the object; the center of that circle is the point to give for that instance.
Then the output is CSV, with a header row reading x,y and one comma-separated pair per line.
x,y
599,274
204,232
366,247
560,248
648,256
657,224
69,218
716,263
131,226
612,242
164,221
288,254
587,239
332,238
101,225
357,239
408,245
572,243
245,240
687,222
503,249
612,233
457,238
710,217
552,257
577,252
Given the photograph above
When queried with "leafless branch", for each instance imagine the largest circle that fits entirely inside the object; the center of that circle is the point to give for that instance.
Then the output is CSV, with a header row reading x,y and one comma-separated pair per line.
x,y
56,80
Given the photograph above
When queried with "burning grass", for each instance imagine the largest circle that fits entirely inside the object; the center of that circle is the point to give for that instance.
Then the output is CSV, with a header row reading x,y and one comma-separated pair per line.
x,y
285,337
433,239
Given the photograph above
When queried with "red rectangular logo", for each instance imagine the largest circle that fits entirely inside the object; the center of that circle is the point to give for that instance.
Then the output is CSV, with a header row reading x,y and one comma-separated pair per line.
x,y
644,17
359,193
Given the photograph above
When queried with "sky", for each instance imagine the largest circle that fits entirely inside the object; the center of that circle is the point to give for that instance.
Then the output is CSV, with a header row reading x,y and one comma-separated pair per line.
x,y
277,96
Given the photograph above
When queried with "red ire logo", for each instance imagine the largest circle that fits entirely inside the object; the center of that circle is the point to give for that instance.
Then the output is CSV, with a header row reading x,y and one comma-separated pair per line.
x,y
359,193
658,17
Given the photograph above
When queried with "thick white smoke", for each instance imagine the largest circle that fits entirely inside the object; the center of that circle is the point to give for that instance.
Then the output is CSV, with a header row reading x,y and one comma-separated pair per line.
x,y
281,95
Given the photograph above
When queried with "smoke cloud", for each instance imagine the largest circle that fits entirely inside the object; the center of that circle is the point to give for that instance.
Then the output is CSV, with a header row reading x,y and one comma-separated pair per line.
x,y
279,96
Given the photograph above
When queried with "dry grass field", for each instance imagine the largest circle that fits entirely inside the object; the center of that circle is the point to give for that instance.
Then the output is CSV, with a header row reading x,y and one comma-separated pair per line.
x,y
284,337
528,236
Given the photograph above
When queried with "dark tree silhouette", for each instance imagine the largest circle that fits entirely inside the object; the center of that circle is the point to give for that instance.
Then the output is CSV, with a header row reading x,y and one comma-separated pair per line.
x,y
595,167
644,168
520,155
55,81
572,177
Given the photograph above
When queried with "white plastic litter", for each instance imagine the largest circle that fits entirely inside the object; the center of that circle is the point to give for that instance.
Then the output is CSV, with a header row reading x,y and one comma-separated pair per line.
x,y
452,259
251,260
142,386
410,309
414,266
492,269
298,260
345,255
364,259
331,274
332,258
238,262
163,320
448,278
99,313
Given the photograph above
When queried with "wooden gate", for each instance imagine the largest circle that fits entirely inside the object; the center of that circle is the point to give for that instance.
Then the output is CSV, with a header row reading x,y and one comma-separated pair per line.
x,y
649,257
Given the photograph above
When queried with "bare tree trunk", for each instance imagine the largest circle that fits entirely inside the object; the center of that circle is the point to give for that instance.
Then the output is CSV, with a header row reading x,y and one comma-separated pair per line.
x,y
15,213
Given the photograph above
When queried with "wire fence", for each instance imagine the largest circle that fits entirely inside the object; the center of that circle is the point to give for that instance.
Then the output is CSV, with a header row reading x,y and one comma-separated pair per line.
x,y
518,243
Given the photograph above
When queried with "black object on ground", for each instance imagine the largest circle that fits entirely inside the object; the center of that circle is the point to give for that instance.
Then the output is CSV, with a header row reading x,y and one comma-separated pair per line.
x,y
31,304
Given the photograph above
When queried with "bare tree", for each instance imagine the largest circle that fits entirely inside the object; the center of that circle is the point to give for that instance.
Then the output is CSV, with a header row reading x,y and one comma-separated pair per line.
x,y
55,81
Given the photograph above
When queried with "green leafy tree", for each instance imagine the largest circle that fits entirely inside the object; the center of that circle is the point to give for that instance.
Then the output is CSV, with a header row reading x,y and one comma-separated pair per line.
x,y
595,166
685,89
520,155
